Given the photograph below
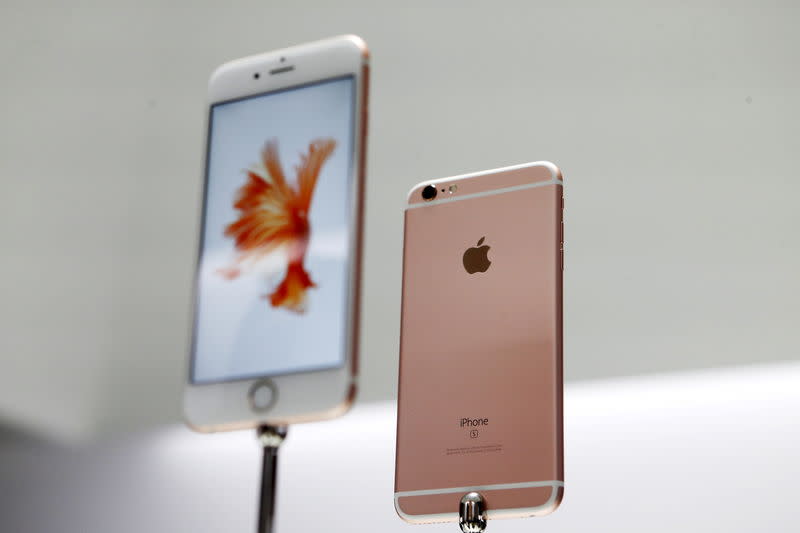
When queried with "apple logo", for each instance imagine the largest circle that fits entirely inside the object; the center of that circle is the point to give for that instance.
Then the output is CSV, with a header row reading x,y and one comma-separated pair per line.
x,y
476,258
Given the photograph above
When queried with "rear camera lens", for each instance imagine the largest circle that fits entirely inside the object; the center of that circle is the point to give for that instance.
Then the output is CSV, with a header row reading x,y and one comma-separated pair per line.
x,y
429,192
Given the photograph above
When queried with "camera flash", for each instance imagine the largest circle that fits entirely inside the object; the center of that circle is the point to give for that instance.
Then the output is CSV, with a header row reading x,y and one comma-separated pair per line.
x,y
453,188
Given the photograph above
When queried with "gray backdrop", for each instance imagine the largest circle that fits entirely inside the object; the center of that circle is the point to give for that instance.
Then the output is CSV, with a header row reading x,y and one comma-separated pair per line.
x,y
676,129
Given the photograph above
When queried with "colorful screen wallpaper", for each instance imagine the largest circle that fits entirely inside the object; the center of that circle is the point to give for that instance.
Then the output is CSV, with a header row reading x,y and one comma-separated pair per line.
x,y
272,280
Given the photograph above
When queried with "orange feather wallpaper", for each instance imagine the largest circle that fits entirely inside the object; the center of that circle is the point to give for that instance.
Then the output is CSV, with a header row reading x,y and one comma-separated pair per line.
x,y
274,217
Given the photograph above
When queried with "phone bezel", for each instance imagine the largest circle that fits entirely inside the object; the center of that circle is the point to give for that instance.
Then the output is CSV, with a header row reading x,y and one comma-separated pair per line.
x,y
307,395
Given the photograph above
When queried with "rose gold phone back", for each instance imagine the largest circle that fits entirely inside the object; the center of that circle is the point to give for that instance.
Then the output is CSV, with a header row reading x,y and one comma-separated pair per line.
x,y
484,346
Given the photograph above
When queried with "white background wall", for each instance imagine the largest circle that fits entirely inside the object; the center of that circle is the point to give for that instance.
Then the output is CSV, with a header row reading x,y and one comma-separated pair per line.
x,y
676,126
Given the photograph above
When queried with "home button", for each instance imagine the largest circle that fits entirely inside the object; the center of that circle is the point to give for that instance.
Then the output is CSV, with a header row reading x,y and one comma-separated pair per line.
x,y
262,395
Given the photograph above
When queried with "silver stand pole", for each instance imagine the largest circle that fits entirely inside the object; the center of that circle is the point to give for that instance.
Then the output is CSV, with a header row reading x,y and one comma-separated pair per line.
x,y
270,438
471,513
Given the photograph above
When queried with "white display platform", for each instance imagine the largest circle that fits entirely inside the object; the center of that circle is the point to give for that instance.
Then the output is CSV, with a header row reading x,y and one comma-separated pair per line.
x,y
708,451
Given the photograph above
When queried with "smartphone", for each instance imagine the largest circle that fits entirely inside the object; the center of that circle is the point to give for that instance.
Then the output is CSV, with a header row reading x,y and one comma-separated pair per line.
x,y
480,386
276,294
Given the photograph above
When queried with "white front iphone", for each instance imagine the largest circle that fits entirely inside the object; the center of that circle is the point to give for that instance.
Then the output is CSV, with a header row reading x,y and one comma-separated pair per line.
x,y
276,295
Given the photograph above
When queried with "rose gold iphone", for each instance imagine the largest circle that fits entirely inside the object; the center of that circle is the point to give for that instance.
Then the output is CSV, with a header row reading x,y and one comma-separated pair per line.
x,y
275,330
480,394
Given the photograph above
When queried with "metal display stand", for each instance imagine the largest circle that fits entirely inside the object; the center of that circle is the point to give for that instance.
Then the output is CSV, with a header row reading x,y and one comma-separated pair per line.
x,y
270,438
471,509
472,513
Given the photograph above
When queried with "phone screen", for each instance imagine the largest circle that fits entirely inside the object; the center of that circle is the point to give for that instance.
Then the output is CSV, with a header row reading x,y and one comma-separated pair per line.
x,y
272,279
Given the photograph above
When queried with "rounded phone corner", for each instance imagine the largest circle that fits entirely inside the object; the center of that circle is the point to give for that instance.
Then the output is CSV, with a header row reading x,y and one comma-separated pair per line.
x,y
411,193
555,172
347,403
359,43
220,72
553,503
402,514
413,190
329,413
197,428
192,423
192,417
